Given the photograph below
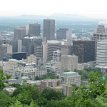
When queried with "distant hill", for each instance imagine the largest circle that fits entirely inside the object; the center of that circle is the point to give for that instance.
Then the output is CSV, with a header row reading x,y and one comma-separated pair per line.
x,y
71,17
59,17
70,21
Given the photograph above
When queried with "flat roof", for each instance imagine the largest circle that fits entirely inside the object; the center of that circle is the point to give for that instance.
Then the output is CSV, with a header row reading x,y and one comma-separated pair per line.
x,y
53,41
32,37
70,74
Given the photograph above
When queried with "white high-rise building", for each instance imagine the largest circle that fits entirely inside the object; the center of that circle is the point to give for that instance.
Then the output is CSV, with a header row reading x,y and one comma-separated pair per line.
x,y
101,31
101,55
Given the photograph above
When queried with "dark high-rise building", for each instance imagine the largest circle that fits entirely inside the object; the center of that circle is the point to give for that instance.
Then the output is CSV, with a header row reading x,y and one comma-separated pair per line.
x,y
15,46
61,33
49,29
34,29
85,50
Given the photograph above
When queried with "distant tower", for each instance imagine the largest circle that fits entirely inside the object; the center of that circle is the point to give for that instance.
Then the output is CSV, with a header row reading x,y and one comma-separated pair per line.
x,y
69,37
49,29
101,32
19,33
61,33
34,29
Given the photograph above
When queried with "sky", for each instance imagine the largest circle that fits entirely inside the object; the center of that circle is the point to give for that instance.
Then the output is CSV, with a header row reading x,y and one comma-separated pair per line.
x,y
89,8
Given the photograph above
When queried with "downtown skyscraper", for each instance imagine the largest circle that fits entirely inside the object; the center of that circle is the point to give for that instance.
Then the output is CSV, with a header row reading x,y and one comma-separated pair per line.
x,y
34,29
49,29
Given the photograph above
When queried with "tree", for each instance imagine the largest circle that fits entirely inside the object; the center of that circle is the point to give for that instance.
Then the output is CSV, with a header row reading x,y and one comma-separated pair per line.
x,y
26,93
51,94
86,96
100,101
17,104
92,95
2,79
60,103
96,84
5,99
33,104
25,97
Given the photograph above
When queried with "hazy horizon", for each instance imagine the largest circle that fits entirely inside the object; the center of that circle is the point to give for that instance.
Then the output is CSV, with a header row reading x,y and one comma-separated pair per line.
x,y
88,8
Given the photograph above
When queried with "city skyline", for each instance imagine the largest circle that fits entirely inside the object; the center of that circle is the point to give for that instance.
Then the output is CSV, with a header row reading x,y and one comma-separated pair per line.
x,y
89,8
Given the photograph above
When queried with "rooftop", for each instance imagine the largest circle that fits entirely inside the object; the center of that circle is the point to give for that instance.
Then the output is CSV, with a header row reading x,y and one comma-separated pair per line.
x,y
34,82
32,37
70,74
53,42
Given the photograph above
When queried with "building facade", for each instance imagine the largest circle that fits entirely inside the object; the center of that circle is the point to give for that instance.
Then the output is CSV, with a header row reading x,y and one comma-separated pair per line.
x,y
49,29
32,45
19,34
101,56
34,29
85,50
61,33
71,78
100,33
69,62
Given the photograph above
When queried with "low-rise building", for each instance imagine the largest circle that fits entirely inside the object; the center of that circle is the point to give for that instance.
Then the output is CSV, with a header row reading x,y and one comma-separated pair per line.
x,y
17,69
69,62
71,78
50,83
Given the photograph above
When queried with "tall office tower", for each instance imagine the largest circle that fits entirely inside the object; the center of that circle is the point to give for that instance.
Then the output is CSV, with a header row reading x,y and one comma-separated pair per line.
x,y
49,29
34,29
15,45
19,33
85,50
69,62
61,33
28,45
2,52
100,33
32,45
101,55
